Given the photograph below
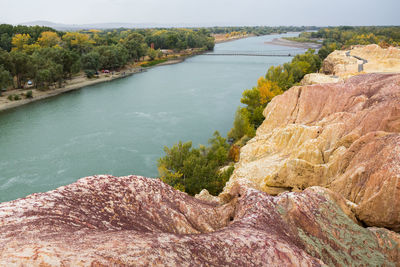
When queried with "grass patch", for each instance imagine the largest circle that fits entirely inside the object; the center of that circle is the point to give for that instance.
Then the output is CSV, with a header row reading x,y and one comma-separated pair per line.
x,y
153,63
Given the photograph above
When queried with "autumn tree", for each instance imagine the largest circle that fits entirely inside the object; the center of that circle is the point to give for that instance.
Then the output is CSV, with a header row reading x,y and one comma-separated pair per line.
x,y
268,90
79,42
19,41
48,39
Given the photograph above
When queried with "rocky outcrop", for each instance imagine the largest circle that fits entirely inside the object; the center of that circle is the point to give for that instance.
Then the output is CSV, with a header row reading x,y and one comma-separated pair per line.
x,y
340,63
136,221
318,78
343,136
362,59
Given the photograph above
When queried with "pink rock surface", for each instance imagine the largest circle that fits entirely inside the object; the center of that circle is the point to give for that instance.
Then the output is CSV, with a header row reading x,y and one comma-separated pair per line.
x,y
136,221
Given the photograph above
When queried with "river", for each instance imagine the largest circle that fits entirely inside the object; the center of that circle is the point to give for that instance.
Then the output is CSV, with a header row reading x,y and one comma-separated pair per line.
x,y
121,127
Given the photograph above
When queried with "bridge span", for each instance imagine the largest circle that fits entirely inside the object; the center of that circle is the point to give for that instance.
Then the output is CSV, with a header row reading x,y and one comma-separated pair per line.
x,y
271,53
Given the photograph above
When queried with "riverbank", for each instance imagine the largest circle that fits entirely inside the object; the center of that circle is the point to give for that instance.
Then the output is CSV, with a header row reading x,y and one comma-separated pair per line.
x,y
289,43
221,38
75,83
81,81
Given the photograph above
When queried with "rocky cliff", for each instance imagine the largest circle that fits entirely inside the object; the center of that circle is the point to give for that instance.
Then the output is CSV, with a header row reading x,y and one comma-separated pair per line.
x,y
366,59
136,221
318,185
344,136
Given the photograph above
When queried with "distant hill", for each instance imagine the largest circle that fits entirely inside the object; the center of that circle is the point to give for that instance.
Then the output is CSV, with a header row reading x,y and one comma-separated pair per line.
x,y
111,25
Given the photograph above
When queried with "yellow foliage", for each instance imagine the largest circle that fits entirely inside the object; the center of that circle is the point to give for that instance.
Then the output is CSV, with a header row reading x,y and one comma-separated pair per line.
x,y
77,39
48,39
268,90
234,153
19,40
29,49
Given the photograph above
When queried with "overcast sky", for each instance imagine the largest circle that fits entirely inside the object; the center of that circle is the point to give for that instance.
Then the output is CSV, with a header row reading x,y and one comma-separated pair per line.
x,y
218,12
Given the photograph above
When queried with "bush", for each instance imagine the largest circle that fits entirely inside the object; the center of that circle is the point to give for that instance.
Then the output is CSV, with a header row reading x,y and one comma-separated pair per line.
x,y
29,94
192,169
14,97
90,73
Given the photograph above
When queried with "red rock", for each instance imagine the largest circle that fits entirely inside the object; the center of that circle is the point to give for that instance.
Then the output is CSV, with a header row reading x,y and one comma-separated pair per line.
x,y
104,221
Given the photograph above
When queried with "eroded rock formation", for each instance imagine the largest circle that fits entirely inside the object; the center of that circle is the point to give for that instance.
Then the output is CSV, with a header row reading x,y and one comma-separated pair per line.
x,y
136,221
343,136
365,59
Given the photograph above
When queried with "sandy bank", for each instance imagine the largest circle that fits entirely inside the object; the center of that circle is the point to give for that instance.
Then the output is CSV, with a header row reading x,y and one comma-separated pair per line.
x,y
75,83
284,42
70,85
221,38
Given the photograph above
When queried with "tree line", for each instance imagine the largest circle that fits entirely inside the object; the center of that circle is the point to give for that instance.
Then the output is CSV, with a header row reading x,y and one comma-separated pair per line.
x,y
47,57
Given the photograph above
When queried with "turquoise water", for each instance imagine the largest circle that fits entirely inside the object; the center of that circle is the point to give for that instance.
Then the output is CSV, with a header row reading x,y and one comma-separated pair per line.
x,y
121,127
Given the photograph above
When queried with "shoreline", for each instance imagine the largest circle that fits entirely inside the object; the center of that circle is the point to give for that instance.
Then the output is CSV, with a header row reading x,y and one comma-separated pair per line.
x,y
76,83
225,40
72,85
289,43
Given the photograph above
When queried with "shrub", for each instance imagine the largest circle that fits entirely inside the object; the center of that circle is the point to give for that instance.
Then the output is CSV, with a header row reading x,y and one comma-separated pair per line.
x,y
14,97
90,73
29,94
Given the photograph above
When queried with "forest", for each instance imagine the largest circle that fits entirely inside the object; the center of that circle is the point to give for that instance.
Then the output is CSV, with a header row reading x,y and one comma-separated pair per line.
x,y
47,57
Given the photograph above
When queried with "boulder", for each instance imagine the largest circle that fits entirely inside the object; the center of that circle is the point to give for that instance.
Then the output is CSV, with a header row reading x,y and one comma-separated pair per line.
x,y
318,78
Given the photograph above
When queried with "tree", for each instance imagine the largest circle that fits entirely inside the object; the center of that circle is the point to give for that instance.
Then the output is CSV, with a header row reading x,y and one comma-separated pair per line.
x,y
112,57
23,67
5,79
70,62
6,61
268,90
91,61
152,53
79,42
5,42
135,45
241,125
49,39
19,41
192,169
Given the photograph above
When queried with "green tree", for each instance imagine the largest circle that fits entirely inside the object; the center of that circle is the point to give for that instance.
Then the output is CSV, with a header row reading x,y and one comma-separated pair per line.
x,y
5,79
91,61
241,125
135,45
23,67
192,169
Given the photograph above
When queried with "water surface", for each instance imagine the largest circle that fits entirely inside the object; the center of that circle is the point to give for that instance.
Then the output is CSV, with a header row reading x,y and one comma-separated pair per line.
x,y
121,127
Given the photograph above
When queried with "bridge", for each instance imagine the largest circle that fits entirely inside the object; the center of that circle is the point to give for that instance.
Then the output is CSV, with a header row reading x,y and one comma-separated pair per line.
x,y
269,53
